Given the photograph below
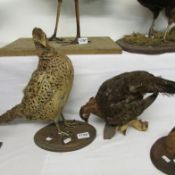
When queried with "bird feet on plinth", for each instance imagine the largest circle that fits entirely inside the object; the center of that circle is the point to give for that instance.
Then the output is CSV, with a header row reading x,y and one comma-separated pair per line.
x,y
62,133
151,33
64,139
65,136
75,41
70,125
54,38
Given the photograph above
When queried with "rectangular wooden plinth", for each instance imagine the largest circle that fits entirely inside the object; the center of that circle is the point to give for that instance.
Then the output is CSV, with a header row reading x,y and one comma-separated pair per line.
x,y
96,45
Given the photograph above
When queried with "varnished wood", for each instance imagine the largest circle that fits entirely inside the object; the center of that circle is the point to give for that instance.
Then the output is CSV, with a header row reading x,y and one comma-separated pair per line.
x,y
97,45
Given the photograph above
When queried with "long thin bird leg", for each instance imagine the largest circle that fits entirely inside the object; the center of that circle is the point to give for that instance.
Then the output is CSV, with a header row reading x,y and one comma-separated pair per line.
x,y
151,30
66,123
53,37
139,125
60,132
77,11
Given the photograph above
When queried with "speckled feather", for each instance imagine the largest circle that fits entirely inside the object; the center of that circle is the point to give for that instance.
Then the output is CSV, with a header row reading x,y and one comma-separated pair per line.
x,y
48,89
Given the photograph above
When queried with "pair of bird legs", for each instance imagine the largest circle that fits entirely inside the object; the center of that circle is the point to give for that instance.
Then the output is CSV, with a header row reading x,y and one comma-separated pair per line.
x,y
77,11
152,31
63,134
137,124
109,131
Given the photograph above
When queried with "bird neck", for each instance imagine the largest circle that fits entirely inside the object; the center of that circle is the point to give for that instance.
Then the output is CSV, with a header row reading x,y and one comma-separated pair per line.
x,y
94,107
43,51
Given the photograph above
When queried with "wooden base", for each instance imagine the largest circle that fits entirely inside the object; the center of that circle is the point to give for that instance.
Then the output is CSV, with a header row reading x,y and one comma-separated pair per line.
x,y
150,50
96,45
157,151
80,134
140,43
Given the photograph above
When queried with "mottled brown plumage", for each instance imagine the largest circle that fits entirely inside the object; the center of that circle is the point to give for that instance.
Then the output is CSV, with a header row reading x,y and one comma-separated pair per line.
x,y
49,86
120,100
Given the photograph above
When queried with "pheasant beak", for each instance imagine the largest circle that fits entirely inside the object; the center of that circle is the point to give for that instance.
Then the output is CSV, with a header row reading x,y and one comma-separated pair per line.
x,y
84,114
168,29
39,37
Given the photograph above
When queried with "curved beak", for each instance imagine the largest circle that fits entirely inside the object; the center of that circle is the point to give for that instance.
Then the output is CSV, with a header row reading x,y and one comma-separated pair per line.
x,y
83,114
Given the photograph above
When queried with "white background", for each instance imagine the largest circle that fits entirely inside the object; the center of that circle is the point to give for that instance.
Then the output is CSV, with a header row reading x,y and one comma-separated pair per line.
x,y
123,154
98,17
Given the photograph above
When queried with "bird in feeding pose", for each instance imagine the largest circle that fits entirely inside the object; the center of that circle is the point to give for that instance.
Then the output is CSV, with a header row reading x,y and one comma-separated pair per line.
x,y
121,99
48,89
77,10
155,6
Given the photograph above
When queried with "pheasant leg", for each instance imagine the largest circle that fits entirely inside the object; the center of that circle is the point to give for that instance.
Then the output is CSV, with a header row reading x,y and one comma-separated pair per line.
x,y
151,30
139,125
123,129
60,132
63,134
67,124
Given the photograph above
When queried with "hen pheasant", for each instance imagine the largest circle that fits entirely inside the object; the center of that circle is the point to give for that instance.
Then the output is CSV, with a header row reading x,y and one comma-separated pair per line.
x,y
49,86
120,100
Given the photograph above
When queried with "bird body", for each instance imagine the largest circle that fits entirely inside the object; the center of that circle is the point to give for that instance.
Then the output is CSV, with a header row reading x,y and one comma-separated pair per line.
x,y
49,86
121,99
155,6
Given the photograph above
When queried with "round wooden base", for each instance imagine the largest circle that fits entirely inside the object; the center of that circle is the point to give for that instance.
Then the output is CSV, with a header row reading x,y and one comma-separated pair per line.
x,y
80,135
161,158
151,50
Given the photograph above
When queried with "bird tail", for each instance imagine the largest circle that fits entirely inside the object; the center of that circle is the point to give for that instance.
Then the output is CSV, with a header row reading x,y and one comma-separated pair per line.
x,y
165,86
11,114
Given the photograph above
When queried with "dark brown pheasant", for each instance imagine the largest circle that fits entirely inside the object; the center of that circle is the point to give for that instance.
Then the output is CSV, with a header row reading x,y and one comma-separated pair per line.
x,y
120,100
155,6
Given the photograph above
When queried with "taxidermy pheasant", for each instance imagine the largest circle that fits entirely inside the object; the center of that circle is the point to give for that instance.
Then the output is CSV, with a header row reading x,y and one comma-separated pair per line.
x,y
49,87
155,6
120,100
